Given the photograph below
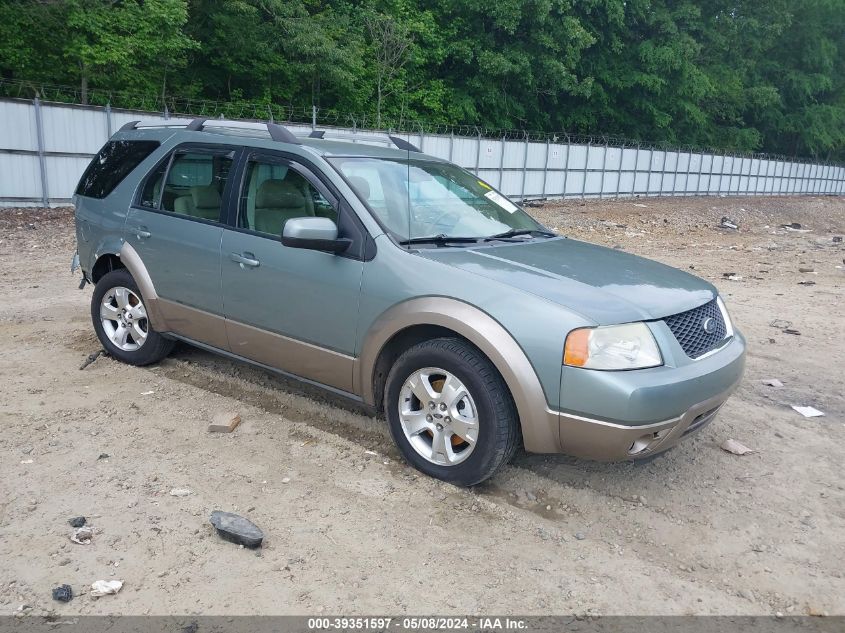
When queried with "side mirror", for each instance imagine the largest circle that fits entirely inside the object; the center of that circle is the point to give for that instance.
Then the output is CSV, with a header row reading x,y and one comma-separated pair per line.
x,y
317,234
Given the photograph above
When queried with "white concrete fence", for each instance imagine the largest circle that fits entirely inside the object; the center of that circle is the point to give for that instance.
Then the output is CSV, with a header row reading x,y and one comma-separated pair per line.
x,y
45,147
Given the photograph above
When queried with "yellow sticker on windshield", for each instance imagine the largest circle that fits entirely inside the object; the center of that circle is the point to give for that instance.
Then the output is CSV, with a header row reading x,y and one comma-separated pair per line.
x,y
484,184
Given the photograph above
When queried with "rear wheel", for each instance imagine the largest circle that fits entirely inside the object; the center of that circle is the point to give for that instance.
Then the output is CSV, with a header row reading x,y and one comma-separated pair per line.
x,y
121,322
450,412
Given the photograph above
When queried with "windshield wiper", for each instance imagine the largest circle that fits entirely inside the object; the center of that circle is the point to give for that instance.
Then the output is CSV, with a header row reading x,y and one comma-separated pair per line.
x,y
442,238
518,232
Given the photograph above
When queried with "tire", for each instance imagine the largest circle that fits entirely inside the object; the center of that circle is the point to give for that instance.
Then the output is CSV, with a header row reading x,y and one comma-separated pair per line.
x,y
434,426
129,336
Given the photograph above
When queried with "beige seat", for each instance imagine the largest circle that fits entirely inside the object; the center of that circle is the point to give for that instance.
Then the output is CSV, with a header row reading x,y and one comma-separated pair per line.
x,y
276,202
203,202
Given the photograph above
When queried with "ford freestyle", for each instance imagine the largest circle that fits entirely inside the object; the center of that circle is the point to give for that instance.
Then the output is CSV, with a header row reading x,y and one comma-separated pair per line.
x,y
403,282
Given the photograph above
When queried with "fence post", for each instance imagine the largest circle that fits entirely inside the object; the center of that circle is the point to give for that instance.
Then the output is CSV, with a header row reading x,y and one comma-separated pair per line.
x,y
586,164
108,120
648,175
700,171
42,158
566,167
478,155
619,173
524,168
545,169
675,176
662,173
502,166
451,144
313,117
636,170
689,168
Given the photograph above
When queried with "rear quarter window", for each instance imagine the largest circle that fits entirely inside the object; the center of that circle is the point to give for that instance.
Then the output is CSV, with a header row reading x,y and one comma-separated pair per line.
x,y
114,162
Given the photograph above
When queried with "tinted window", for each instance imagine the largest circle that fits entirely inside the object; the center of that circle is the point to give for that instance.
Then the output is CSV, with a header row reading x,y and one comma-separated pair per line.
x,y
111,165
151,194
275,193
195,184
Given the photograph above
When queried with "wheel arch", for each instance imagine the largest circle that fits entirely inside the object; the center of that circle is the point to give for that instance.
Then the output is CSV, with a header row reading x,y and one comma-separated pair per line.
x,y
432,317
127,257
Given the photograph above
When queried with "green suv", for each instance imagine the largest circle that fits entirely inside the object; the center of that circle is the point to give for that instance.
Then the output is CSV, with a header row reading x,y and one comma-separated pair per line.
x,y
402,282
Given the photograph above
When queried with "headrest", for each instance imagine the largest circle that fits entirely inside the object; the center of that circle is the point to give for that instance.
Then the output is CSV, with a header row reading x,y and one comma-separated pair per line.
x,y
360,185
205,197
278,194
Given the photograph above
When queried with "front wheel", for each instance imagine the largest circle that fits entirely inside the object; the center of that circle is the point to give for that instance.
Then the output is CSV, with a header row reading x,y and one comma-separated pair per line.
x,y
121,322
450,412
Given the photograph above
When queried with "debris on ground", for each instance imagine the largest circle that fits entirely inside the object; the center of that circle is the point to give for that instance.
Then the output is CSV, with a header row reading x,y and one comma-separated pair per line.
x,y
806,283
772,382
82,535
180,492
807,412
225,422
91,358
802,269
795,227
77,522
736,448
727,223
147,393
837,239
791,330
237,529
63,593
102,588
731,276
103,456
781,324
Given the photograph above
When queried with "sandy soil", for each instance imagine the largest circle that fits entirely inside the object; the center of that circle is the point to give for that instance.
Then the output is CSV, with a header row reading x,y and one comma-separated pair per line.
x,y
352,529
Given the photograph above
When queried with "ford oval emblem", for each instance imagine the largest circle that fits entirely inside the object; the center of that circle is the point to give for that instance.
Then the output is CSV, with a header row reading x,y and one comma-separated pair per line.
x,y
709,325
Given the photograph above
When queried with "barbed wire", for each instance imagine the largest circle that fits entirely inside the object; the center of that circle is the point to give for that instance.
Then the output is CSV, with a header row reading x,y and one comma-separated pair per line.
x,y
172,105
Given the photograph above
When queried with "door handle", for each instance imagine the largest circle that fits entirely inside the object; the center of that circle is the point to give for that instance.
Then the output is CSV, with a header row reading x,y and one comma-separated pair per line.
x,y
247,259
142,233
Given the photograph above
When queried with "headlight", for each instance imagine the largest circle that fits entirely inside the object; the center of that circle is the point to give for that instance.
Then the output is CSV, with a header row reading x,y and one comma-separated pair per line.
x,y
629,346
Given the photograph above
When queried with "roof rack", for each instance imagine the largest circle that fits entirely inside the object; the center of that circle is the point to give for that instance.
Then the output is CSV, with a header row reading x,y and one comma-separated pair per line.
x,y
277,132
345,136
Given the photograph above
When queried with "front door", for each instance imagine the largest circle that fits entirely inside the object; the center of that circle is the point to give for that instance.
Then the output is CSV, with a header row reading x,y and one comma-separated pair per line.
x,y
289,308
176,228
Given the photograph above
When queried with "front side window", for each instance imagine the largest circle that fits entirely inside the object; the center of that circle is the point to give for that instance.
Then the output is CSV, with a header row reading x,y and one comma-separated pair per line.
x,y
274,193
420,198
194,184
114,162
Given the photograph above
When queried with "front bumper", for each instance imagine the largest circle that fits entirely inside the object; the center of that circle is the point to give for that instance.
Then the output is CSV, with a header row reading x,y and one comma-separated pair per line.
x,y
636,414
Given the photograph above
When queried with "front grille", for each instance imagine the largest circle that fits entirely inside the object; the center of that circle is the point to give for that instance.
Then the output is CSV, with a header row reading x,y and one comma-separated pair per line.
x,y
688,328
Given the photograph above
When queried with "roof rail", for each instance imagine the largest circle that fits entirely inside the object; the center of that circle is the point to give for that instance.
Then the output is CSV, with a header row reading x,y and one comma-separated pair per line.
x,y
395,140
277,132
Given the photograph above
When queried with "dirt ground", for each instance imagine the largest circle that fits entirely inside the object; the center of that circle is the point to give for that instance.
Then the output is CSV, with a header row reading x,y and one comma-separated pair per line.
x,y
352,529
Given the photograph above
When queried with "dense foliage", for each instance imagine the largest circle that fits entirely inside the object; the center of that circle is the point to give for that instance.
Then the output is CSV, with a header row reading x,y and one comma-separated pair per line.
x,y
732,74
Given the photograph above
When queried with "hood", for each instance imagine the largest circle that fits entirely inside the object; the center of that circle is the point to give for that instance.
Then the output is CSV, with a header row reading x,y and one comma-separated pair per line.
x,y
605,285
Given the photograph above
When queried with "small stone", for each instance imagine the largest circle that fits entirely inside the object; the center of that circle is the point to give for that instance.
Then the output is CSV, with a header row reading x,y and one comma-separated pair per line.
x,y
237,529
63,562
225,422
180,492
580,536
285,480
63,593
806,270
77,522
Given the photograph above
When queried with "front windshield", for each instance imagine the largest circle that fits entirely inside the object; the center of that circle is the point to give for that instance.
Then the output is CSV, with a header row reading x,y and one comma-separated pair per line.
x,y
421,198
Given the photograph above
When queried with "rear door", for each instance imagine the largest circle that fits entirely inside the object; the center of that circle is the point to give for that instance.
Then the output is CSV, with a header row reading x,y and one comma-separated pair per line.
x,y
289,308
176,226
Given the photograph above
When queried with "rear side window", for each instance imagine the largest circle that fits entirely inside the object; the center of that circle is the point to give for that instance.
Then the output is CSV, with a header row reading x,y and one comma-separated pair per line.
x,y
111,165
